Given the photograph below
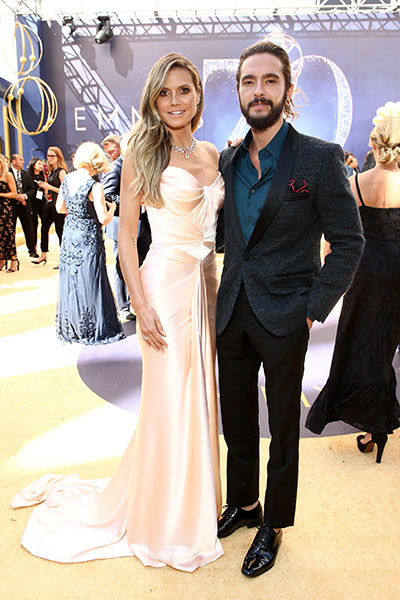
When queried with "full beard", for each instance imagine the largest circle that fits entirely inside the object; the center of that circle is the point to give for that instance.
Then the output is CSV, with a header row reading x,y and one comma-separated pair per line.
x,y
265,121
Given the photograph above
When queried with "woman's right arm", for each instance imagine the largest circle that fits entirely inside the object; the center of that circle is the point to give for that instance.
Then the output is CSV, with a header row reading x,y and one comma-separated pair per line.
x,y
13,188
129,209
61,207
100,206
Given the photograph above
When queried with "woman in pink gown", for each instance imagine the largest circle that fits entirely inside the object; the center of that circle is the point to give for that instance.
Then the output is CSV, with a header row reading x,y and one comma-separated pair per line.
x,y
163,502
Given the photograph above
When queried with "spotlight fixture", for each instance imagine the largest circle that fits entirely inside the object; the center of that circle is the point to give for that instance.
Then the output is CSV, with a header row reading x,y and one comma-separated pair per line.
x,y
69,22
104,31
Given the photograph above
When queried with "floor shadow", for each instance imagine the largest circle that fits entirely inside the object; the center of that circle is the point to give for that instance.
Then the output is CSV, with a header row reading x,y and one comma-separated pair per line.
x,y
114,372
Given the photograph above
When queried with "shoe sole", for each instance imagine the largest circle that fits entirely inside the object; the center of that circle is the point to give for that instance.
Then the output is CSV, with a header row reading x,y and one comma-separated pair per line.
x,y
248,524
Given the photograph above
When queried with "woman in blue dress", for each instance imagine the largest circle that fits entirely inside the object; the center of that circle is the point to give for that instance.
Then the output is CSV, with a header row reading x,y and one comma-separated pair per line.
x,y
86,310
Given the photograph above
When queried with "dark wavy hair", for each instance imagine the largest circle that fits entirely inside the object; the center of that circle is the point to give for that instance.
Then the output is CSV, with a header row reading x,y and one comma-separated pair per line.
x,y
30,170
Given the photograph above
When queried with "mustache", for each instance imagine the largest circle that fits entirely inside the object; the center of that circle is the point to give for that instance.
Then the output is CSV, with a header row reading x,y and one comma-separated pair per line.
x,y
265,101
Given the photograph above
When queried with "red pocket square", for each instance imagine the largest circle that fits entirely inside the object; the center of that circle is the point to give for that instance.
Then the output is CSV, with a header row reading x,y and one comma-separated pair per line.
x,y
298,187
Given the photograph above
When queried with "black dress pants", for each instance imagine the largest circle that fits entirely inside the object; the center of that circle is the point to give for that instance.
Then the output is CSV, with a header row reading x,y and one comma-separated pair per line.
x,y
242,347
51,216
25,218
39,208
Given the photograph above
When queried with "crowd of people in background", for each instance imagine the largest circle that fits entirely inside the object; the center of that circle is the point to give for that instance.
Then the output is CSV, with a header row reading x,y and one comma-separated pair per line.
x,y
27,196
30,196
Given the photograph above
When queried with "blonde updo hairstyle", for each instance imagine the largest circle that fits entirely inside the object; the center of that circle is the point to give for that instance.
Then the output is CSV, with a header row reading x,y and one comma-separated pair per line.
x,y
385,138
90,156
150,144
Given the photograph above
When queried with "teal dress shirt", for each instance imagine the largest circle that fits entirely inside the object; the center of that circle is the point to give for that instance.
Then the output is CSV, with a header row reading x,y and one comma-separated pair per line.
x,y
250,192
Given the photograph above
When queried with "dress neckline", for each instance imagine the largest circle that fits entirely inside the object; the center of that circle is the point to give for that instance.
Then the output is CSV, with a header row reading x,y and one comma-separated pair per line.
x,y
194,176
379,207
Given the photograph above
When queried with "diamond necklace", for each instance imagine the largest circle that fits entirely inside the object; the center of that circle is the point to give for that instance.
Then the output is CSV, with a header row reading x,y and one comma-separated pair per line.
x,y
186,150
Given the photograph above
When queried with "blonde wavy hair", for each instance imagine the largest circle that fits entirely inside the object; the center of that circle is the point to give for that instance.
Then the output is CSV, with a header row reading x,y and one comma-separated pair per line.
x,y
385,137
90,156
60,159
3,165
150,142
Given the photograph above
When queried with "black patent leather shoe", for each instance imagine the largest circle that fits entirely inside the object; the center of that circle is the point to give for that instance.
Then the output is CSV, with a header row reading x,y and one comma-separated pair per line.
x,y
234,517
262,553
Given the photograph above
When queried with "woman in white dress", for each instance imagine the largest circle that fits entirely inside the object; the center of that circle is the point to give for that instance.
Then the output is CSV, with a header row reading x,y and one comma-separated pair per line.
x,y
163,502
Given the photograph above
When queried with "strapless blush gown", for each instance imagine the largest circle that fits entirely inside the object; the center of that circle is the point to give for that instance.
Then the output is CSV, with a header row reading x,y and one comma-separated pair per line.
x,y
163,501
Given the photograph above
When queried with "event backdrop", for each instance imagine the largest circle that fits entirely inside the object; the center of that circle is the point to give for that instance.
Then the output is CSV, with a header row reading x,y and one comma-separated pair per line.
x,y
345,66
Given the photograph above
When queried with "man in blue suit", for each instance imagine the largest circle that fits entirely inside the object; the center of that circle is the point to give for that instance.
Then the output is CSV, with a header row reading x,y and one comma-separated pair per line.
x,y
283,190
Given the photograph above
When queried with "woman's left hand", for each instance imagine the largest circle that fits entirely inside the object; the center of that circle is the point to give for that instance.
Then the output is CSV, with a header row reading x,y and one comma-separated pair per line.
x,y
152,332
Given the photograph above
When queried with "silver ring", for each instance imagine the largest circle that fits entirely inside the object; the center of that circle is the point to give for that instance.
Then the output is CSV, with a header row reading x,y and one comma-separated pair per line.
x,y
145,337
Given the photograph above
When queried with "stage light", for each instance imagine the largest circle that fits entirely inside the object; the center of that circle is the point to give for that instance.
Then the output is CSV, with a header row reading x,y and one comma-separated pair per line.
x,y
69,22
104,31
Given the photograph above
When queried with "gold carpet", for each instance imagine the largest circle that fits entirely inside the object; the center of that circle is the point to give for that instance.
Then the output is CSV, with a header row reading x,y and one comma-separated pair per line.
x,y
346,542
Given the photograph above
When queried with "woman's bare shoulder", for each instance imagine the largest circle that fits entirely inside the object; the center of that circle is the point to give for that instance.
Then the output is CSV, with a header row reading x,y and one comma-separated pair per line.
x,y
210,149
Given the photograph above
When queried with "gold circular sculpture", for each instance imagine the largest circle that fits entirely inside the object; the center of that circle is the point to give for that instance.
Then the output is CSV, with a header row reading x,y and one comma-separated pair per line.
x,y
13,94
48,108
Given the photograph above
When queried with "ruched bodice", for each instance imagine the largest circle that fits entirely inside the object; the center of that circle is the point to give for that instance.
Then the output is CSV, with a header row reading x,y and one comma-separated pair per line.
x,y
188,219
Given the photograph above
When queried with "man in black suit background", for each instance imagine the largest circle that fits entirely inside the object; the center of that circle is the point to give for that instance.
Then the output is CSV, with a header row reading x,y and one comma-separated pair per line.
x,y
22,208
283,190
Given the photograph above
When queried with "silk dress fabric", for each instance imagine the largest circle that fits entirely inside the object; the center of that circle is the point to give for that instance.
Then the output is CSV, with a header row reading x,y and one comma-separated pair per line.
x,y
163,502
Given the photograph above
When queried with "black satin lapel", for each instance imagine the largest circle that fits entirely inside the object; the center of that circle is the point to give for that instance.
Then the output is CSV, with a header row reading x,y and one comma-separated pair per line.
x,y
230,204
277,188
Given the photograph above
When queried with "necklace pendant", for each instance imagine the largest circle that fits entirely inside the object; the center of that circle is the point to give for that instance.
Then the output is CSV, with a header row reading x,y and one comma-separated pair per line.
x,y
186,151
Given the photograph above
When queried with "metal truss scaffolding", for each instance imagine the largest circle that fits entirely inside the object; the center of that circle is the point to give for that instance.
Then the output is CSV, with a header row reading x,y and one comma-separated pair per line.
x,y
86,9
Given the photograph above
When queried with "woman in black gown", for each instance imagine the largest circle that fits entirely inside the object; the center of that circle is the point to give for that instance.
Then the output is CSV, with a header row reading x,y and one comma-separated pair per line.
x,y
361,389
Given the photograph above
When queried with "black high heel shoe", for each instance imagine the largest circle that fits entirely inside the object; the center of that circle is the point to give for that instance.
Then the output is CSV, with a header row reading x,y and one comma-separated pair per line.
x,y
11,270
379,439
41,260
